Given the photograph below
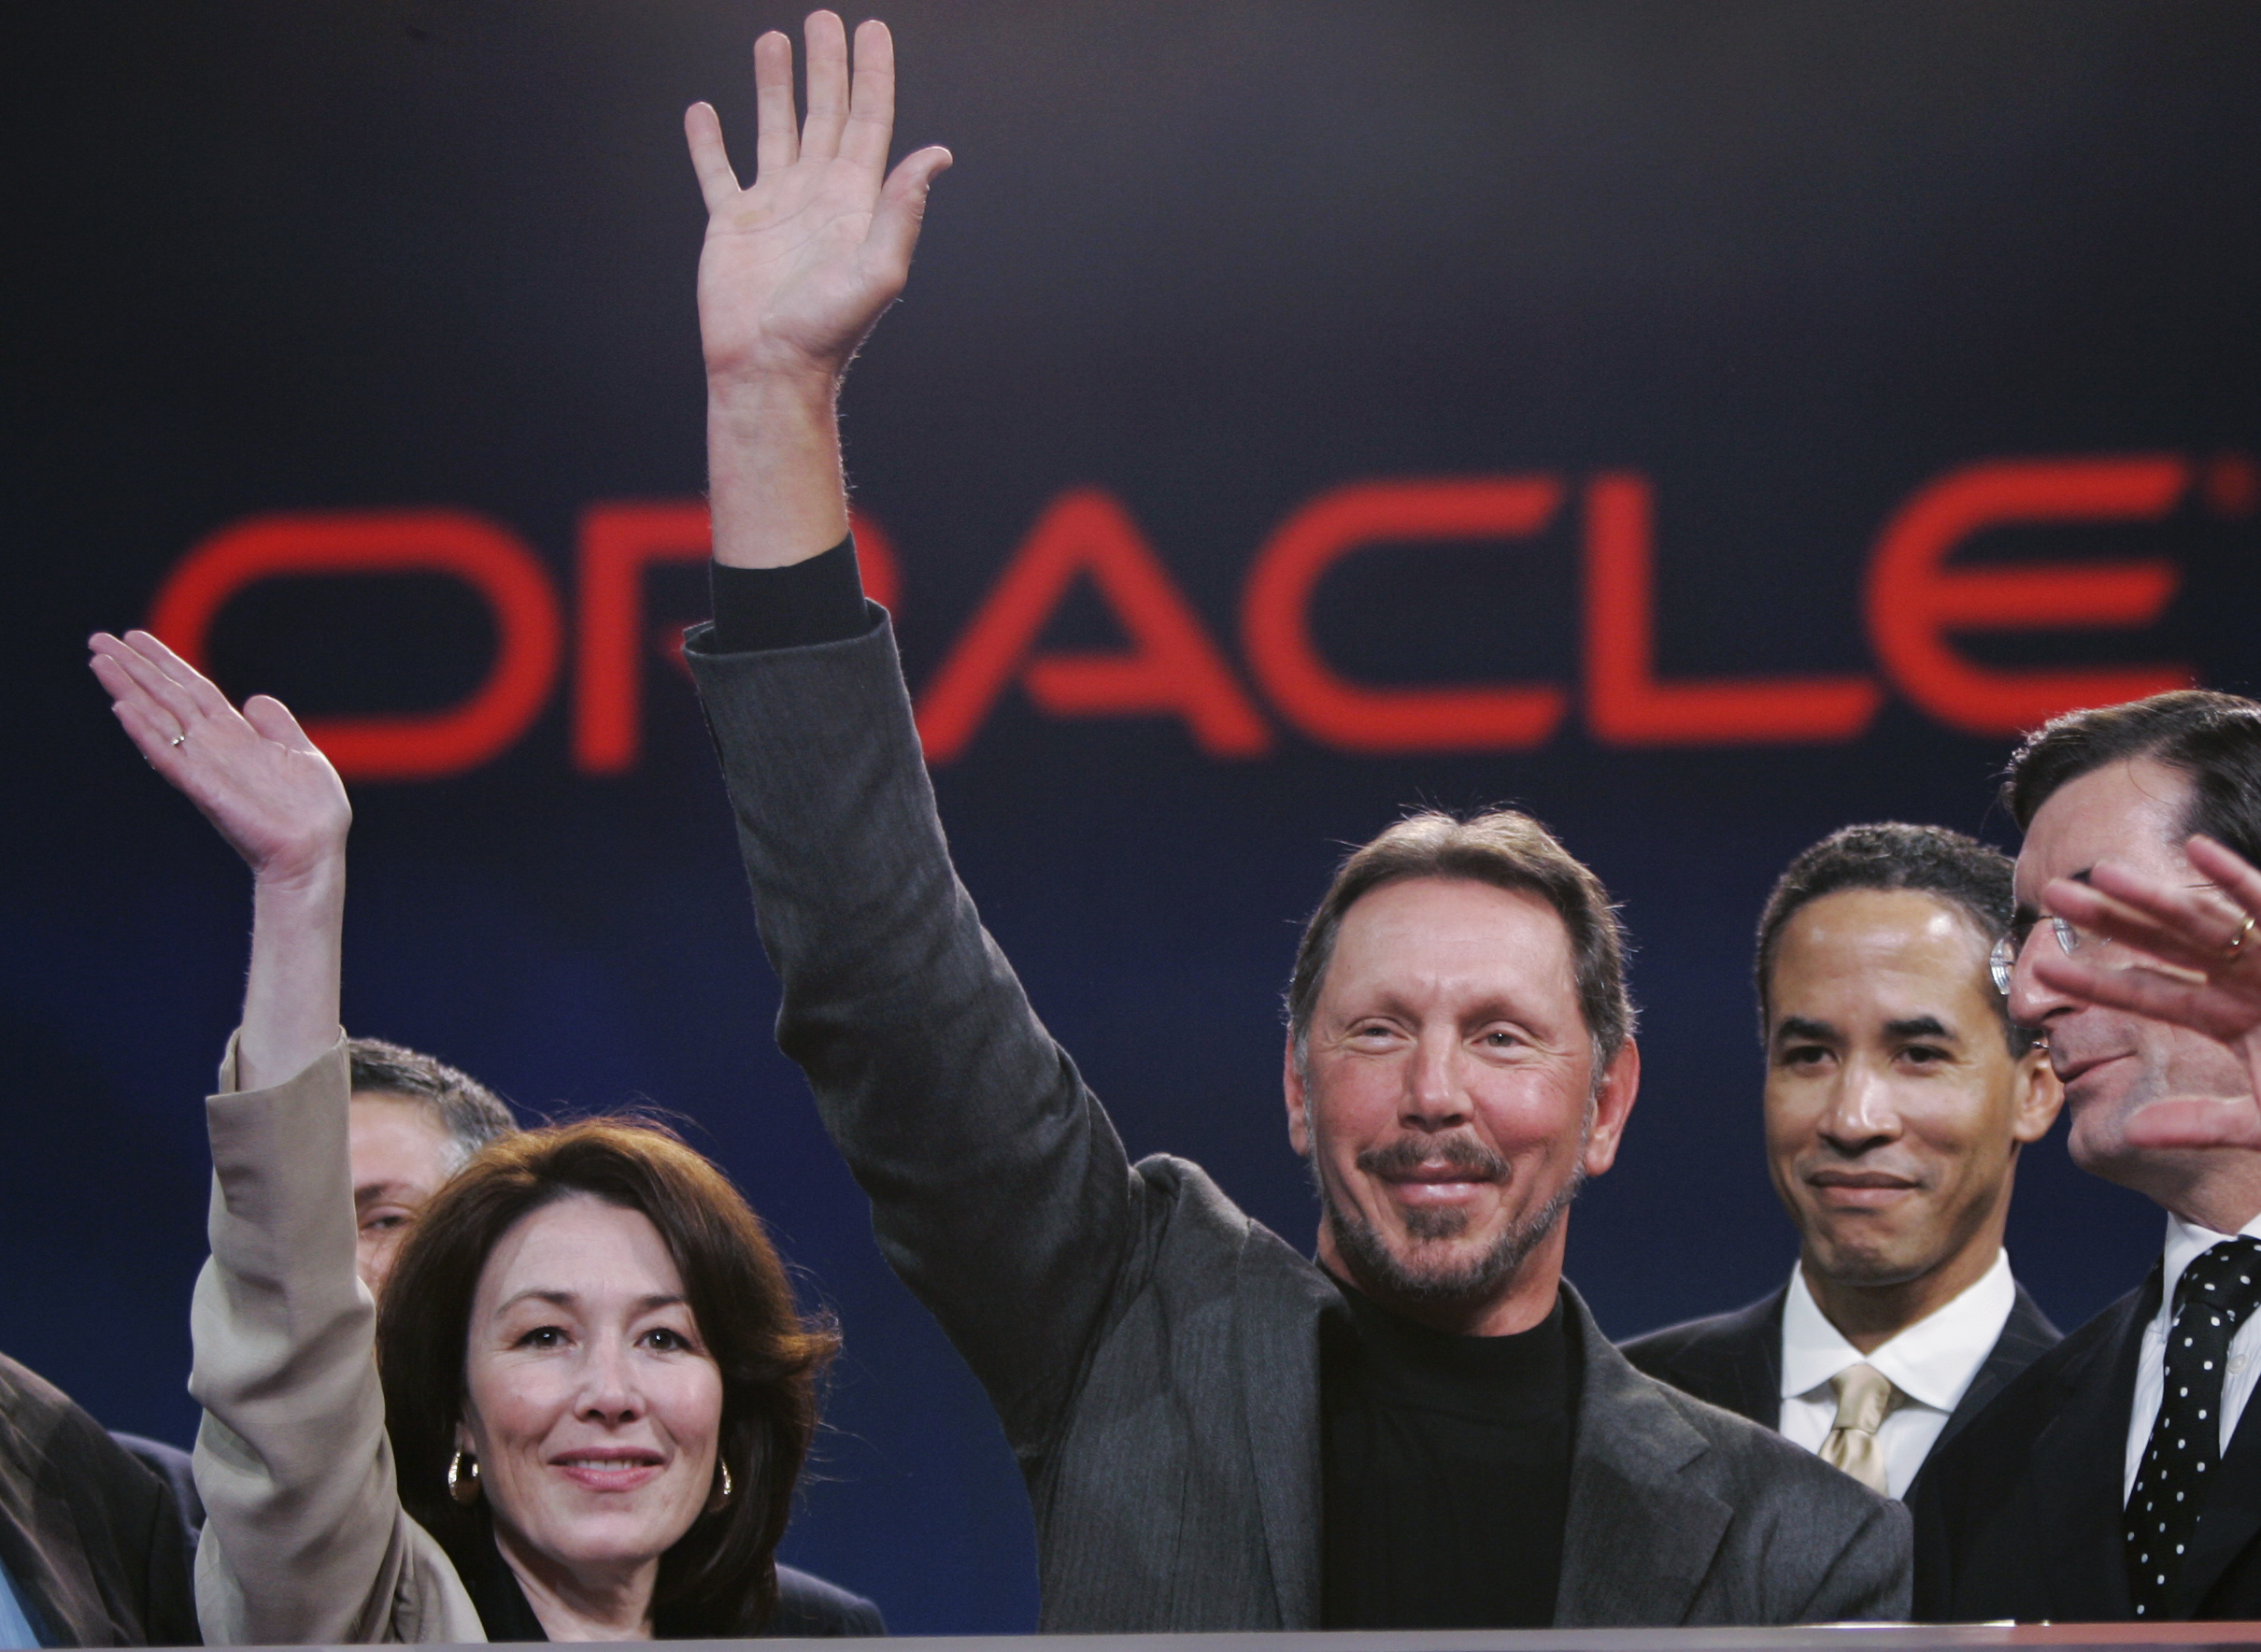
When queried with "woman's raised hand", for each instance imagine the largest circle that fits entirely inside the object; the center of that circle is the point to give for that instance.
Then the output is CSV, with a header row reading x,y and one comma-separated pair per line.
x,y
796,269
2200,968
253,773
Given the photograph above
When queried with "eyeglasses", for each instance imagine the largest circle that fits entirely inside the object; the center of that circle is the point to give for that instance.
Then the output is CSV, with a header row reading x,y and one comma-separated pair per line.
x,y
2003,958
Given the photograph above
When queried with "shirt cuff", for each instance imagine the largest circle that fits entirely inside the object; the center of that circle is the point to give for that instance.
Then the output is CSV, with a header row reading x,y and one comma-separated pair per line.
x,y
817,601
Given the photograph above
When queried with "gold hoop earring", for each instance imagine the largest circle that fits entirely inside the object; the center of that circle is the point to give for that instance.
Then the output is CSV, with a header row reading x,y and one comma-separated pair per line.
x,y
463,1479
720,1499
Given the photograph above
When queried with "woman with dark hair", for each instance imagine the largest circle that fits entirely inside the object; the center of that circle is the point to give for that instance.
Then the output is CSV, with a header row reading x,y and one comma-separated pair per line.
x,y
592,1389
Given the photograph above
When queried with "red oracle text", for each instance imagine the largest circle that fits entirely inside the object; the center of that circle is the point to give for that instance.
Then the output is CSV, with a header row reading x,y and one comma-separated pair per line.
x,y
1918,603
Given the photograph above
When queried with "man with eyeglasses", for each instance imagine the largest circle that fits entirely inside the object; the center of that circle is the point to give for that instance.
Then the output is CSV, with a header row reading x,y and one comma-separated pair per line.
x,y
2119,1477
1898,1097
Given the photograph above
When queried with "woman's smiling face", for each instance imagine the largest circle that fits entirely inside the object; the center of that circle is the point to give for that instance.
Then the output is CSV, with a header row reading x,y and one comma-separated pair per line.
x,y
590,1400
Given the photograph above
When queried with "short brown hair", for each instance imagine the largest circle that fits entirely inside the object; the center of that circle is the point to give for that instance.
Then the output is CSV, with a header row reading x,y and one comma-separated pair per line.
x,y
720,1577
1509,851
2212,739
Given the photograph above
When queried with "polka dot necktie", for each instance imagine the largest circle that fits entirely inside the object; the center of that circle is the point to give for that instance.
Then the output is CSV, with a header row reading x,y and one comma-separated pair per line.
x,y
2216,1293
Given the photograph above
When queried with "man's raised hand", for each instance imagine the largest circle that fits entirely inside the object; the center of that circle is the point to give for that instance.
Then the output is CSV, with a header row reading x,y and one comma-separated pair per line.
x,y
796,269
2200,967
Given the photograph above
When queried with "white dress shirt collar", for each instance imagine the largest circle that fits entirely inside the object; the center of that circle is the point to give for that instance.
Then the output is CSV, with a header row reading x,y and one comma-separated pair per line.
x,y
2185,1242
1933,1362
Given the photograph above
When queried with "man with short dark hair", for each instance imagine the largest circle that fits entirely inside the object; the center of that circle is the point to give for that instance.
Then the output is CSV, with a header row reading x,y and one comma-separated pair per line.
x,y
1422,1427
415,1122
2120,1475
1898,1097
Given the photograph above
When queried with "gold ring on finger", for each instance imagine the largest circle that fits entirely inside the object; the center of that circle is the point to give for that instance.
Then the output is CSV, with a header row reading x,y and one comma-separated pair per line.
x,y
2237,942
182,739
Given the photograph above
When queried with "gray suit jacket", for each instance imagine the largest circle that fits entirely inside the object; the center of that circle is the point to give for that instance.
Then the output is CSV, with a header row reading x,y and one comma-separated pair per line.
x,y
1153,1353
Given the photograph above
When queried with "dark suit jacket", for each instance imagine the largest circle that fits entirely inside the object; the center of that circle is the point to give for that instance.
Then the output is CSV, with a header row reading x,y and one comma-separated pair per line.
x,y
1152,1352
1734,1359
93,1540
809,1606
2020,1516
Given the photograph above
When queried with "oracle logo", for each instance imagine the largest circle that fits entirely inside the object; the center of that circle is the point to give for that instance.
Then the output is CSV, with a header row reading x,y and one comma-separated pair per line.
x,y
1916,601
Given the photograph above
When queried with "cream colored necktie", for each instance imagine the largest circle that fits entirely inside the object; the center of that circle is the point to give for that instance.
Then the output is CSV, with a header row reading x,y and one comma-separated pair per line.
x,y
1865,1397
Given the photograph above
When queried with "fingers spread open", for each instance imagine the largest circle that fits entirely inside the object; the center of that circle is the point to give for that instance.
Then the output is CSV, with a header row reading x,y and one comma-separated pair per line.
x,y
2211,1010
828,85
2240,881
871,119
2146,915
709,158
777,141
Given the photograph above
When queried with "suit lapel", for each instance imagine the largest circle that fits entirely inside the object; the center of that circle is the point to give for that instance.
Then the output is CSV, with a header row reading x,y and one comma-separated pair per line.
x,y
2079,1472
2026,1335
1639,1542
1279,1360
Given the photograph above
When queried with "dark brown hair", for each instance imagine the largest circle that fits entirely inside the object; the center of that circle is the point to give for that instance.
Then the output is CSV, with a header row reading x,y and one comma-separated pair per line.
x,y
1508,849
2214,739
719,1579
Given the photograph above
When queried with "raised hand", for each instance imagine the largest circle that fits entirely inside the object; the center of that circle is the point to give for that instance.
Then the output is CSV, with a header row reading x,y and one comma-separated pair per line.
x,y
253,773
281,806
2200,968
796,270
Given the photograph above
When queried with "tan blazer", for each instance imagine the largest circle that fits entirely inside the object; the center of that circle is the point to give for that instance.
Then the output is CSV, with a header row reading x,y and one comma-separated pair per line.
x,y
305,1538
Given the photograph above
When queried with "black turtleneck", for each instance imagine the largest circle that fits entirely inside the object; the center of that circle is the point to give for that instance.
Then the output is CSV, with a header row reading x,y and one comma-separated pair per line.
x,y
1448,1465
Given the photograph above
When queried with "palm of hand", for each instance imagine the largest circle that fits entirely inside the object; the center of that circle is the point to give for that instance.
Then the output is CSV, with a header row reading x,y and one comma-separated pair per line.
x,y
784,280
252,773
278,805
796,269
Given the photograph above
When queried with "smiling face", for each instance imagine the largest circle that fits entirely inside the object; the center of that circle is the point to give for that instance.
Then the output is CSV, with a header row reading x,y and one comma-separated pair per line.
x,y
590,1400
400,1155
1894,1108
1447,1102
2115,1064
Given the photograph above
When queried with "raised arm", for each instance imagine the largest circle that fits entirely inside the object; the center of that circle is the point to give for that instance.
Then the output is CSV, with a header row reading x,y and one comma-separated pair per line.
x,y
305,1540
281,806
1000,1192
2210,944
794,272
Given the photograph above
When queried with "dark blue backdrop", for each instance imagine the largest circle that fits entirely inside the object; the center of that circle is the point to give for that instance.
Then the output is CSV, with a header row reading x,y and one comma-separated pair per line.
x,y
1790,261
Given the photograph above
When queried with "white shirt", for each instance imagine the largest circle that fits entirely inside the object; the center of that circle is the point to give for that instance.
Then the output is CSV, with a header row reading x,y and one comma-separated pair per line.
x,y
1931,1363
2185,1242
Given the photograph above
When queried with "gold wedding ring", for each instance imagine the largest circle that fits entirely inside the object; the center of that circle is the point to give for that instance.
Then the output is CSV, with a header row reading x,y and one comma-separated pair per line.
x,y
2236,944
182,739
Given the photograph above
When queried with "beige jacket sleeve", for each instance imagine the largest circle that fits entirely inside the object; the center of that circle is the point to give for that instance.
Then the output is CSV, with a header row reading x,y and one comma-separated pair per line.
x,y
305,1538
